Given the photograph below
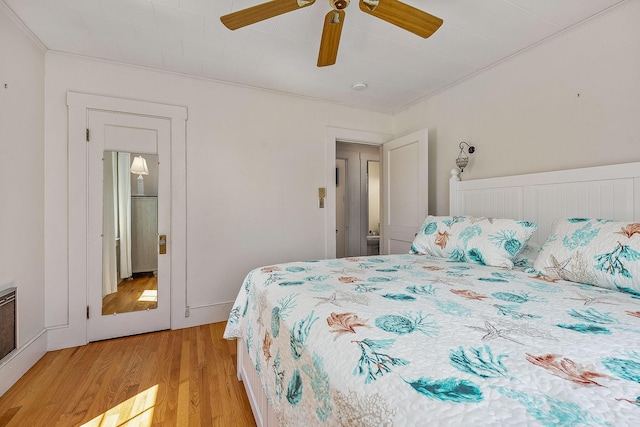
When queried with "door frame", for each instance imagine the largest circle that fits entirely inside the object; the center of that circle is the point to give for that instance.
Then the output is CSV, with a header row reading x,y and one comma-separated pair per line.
x,y
332,136
75,332
356,156
341,178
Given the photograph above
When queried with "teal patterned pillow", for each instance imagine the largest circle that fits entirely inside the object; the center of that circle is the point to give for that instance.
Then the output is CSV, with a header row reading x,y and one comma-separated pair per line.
x,y
487,241
598,252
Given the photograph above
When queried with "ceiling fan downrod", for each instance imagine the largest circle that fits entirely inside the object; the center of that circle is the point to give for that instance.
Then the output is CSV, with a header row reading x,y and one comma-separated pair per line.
x,y
338,4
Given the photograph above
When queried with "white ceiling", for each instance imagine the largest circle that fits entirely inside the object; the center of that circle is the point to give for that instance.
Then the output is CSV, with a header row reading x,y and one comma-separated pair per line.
x,y
186,36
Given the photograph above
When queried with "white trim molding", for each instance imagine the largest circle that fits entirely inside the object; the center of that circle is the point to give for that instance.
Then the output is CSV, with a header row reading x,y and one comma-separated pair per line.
x,y
21,360
332,136
74,333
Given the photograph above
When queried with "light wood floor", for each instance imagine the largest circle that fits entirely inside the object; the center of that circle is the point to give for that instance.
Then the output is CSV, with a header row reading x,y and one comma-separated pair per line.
x,y
185,377
128,296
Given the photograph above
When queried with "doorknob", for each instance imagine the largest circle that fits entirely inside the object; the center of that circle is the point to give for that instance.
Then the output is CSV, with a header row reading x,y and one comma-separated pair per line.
x,y
162,244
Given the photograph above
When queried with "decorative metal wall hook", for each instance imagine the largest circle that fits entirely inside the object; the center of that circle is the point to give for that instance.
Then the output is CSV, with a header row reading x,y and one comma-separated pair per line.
x,y
463,160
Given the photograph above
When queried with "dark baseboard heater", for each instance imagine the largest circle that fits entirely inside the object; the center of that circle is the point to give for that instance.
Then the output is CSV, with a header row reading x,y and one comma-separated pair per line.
x,y
7,322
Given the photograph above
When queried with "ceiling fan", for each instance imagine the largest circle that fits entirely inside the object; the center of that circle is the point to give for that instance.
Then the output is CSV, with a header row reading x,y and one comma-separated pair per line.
x,y
393,11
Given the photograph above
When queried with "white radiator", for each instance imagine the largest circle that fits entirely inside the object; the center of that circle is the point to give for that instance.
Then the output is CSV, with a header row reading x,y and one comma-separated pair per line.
x,y
7,321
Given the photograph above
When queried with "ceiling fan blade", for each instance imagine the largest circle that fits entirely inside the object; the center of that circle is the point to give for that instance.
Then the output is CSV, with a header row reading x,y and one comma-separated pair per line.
x,y
330,38
263,11
402,15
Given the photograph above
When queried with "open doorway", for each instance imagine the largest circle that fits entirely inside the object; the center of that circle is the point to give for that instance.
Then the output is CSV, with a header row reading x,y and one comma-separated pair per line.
x,y
357,199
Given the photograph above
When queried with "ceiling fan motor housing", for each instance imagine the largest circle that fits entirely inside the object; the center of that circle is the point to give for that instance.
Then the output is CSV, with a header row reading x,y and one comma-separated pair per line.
x,y
339,4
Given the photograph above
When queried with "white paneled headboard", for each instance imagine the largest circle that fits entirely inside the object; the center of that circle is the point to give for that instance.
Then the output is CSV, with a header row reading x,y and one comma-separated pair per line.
x,y
611,192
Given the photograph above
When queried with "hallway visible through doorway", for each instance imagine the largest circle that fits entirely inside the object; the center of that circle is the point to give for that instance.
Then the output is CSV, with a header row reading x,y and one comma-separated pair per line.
x,y
357,199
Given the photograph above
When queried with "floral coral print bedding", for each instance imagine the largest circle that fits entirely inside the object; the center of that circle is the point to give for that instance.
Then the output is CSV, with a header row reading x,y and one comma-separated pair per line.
x,y
599,252
412,340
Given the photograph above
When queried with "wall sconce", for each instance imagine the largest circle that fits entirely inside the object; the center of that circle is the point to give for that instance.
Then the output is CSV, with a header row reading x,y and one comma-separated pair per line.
x,y
463,160
139,167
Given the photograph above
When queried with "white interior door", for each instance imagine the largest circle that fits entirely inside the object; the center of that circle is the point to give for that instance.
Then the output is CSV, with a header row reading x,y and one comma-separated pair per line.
x,y
129,133
405,183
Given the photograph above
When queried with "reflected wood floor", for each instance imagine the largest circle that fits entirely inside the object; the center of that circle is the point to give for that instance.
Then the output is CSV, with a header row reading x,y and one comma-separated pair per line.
x,y
128,296
185,377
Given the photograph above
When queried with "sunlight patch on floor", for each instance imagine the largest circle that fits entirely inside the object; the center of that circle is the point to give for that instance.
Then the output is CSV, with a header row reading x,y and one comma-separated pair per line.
x,y
134,412
149,295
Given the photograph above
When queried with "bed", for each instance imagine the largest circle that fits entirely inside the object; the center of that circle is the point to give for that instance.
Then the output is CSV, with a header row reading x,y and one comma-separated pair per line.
x,y
520,308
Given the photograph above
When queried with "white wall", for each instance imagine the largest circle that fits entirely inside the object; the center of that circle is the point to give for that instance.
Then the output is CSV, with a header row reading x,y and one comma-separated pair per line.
x,y
22,191
254,162
572,101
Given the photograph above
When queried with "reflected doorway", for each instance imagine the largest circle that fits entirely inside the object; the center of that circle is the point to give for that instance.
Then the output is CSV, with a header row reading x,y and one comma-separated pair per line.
x,y
130,232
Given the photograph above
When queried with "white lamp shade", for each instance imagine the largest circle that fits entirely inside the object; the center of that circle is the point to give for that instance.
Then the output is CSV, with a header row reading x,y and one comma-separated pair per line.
x,y
139,166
